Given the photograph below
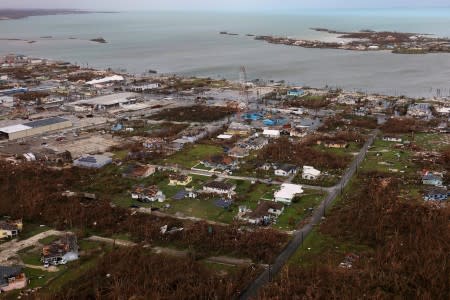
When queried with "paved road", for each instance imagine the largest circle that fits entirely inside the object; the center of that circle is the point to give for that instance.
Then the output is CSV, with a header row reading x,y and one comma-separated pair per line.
x,y
301,234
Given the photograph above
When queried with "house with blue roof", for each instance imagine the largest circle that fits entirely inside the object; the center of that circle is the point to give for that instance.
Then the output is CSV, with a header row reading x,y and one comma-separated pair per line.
x,y
436,195
295,92
432,179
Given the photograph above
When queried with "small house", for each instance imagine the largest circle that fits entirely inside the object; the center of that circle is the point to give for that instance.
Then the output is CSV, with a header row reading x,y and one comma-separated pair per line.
x,y
221,162
438,194
10,229
179,179
219,187
285,170
287,192
392,139
310,173
336,145
61,251
12,278
239,129
271,133
92,161
139,171
149,194
238,152
430,178
256,143
265,213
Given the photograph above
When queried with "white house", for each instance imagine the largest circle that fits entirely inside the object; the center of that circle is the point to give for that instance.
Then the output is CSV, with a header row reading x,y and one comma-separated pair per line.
x,y
150,194
271,133
443,110
310,173
392,139
7,101
286,170
287,192
219,187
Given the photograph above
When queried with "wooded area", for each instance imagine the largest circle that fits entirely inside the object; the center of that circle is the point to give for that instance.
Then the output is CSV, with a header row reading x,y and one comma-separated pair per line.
x,y
34,193
300,154
137,274
409,246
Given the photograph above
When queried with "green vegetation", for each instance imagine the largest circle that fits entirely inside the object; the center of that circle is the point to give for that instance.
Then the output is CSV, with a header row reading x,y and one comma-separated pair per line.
x,y
322,249
201,208
297,212
191,155
31,256
31,229
48,240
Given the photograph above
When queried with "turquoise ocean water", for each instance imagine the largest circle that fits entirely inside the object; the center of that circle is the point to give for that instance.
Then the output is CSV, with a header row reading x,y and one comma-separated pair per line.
x,y
189,43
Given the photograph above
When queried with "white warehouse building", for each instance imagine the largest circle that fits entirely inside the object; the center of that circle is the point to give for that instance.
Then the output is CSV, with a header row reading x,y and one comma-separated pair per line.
x,y
33,128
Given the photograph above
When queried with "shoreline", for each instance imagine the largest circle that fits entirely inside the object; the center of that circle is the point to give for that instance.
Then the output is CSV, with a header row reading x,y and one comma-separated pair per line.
x,y
18,14
367,40
269,82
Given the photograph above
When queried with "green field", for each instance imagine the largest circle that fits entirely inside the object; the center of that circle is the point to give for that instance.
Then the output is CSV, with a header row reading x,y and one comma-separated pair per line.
x,y
248,194
192,155
297,212
321,249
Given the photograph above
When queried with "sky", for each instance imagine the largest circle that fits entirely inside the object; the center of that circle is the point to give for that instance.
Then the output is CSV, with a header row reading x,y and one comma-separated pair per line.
x,y
244,5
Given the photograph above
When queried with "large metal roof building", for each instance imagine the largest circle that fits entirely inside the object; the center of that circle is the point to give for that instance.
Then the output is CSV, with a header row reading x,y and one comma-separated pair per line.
x,y
32,128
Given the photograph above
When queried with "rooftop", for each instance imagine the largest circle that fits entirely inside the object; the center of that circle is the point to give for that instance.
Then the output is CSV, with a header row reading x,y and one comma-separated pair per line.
x,y
288,191
14,128
107,99
45,122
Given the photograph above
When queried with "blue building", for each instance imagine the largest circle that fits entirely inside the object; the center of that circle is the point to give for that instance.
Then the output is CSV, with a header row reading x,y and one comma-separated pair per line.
x,y
253,116
432,179
437,195
13,91
269,122
295,93
117,127
272,122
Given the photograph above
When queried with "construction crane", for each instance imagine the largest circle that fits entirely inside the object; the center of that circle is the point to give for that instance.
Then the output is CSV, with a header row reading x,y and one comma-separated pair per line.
x,y
243,83
244,93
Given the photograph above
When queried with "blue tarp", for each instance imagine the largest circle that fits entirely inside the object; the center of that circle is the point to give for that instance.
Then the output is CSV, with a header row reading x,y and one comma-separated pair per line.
x,y
253,116
180,195
223,203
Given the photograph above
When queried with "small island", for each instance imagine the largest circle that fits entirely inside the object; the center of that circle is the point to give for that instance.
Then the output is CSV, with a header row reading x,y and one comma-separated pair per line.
x,y
369,40
228,33
99,40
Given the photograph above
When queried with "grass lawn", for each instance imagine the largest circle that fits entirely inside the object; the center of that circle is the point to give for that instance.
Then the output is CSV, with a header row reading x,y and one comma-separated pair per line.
x,y
48,240
429,141
191,155
318,246
248,195
31,257
70,272
122,154
205,209
297,212
30,229
38,278
383,157
201,166
220,269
